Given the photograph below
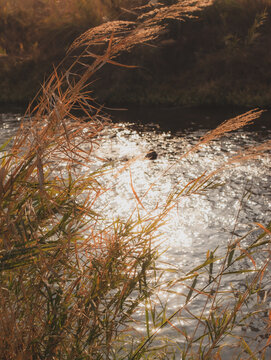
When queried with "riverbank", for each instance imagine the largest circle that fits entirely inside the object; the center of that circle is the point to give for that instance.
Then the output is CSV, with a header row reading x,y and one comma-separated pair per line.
x,y
35,35
222,57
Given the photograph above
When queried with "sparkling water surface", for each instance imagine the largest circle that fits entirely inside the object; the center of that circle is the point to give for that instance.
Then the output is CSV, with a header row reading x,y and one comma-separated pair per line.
x,y
198,222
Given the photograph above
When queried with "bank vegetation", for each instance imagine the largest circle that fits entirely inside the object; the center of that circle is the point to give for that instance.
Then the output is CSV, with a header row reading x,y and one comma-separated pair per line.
x,y
221,55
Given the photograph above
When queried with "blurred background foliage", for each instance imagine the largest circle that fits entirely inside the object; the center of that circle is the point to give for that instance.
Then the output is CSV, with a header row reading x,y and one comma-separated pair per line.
x,y
221,57
35,34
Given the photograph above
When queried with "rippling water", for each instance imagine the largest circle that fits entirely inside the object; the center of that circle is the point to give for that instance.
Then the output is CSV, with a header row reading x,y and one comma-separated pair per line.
x,y
198,223
200,217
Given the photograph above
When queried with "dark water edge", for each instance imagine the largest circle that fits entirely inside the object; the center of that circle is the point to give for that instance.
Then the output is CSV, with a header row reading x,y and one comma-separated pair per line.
x,y
172,119
13,108
176,119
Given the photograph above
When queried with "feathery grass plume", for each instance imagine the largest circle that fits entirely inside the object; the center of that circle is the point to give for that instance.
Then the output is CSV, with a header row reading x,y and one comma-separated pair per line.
x,y
232,124
147,27
229,125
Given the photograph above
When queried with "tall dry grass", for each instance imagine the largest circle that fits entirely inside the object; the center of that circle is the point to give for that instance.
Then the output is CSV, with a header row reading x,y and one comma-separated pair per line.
x,y
66,278
70,282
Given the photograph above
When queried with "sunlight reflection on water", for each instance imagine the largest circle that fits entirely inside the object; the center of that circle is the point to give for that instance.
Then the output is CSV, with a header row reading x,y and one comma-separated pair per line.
x,y
197,223
196,218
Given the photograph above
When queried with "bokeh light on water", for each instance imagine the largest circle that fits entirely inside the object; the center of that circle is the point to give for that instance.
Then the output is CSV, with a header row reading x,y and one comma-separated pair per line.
x,y
197,223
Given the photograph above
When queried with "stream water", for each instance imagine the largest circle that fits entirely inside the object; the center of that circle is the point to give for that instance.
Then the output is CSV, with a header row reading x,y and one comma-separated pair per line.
x,y
200,222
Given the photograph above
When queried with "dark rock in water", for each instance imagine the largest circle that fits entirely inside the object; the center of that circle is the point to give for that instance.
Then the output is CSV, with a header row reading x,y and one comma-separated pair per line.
x,y
152,155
